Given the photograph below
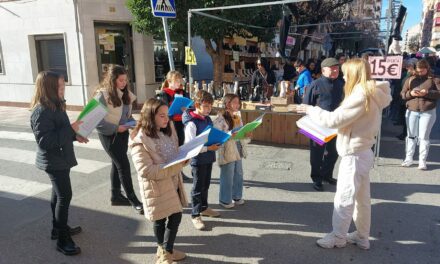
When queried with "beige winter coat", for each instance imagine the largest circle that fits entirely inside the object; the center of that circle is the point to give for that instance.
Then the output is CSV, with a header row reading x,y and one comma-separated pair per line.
x,y
357,128
228,152
157,186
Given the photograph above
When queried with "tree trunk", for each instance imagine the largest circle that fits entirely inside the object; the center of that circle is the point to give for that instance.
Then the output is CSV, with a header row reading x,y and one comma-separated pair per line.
x,y
218,61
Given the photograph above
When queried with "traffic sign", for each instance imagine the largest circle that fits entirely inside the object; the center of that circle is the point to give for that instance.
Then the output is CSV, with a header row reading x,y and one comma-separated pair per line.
x,y
163,8
190,57
389,67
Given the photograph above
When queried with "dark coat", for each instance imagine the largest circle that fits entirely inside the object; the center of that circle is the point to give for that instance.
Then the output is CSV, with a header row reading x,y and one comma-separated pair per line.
x,y
325,93
201,123
54,136
425,103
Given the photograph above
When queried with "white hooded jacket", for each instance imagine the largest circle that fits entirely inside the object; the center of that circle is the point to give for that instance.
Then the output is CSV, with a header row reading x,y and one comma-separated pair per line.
x,y
357,127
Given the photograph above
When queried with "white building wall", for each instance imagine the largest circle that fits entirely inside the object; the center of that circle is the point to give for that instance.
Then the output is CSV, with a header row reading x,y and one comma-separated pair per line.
x,y
22,20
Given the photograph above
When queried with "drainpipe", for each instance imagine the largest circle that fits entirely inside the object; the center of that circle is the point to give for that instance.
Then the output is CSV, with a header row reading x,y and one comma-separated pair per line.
x,y
83,88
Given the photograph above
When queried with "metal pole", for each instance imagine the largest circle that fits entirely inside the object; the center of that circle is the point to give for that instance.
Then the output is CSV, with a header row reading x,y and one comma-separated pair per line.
x,y
168,40
190,79
251,5
379,134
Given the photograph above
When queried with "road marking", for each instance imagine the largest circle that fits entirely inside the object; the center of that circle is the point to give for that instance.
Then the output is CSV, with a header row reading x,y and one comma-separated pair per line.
x,y
25,136
25,156
19,189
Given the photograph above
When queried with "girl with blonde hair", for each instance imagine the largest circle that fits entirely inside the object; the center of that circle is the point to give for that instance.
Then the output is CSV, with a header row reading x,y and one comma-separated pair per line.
x,y
357,121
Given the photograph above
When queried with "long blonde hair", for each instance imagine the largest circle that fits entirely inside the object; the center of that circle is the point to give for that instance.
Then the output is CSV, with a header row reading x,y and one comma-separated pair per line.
x,y
357,72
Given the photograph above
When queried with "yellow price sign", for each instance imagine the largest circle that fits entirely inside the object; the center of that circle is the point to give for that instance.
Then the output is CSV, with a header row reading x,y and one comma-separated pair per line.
x,y
190,57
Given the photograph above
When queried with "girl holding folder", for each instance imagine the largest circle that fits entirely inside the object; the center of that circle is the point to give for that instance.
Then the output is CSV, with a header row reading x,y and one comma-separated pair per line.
x,y
230,154
55,154
357,121
113,134
153,143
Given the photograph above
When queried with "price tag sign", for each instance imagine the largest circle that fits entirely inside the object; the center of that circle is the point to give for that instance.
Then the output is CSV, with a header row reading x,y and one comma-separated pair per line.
x,y
190,57
389,67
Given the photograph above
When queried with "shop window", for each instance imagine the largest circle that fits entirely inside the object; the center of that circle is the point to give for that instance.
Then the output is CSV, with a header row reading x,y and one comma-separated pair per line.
x,y
51,54
161,63
2,65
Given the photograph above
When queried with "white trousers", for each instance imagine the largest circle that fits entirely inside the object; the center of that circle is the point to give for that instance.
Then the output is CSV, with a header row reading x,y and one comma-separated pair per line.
x,y
352,198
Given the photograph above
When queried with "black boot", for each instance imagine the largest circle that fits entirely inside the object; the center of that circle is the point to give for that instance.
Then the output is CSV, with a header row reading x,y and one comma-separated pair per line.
x,y
137,205
65,243
119,199
72,231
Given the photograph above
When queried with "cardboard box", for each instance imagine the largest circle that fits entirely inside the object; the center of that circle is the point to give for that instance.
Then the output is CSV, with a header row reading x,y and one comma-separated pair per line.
x,y
281,100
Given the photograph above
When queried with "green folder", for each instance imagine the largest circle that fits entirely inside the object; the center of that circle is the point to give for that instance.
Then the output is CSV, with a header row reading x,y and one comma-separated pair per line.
x,y
93,103
249,127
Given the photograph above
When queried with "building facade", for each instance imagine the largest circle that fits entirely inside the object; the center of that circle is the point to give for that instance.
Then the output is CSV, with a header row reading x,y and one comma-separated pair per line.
x,y
80,39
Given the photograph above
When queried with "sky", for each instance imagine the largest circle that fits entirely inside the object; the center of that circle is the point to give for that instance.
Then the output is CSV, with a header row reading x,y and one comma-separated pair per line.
x,y
414,12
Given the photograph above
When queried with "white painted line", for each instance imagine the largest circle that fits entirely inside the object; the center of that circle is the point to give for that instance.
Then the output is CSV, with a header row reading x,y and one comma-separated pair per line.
x,y
25,156
19,189
26,136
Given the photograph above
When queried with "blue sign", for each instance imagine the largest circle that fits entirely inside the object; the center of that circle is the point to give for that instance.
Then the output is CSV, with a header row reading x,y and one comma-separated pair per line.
x,y
163,8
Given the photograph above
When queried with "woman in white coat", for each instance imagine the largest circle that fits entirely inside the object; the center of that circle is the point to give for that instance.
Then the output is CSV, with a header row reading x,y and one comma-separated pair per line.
x,y
357,120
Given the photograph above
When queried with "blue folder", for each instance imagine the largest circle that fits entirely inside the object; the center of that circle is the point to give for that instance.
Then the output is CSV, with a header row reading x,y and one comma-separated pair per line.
x,y
216,136
178,103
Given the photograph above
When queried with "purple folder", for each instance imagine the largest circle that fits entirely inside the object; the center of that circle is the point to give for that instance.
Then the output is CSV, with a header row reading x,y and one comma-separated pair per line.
x,y
312,137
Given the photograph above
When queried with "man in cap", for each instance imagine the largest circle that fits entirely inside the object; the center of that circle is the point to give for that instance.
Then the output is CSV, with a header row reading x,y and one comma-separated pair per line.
x,y
327,93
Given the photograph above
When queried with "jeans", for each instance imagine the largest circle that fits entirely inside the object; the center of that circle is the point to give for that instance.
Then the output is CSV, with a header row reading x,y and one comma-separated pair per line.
x,y
61,196
352,198
231,182
116,147
166,233
199,193
322,163
419,127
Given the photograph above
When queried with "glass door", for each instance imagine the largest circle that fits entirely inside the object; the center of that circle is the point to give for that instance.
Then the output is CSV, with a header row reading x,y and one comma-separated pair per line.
x,y
114,47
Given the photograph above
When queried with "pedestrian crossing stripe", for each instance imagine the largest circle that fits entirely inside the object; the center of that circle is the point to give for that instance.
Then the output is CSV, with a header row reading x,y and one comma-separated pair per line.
x,y
19,189
85,166
25,136
163,8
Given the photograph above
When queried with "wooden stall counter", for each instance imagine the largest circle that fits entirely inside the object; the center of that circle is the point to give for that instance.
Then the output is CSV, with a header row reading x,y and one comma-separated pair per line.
x,y
277,127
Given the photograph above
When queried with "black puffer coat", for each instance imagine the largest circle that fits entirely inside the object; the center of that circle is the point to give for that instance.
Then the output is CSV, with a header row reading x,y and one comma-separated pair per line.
x,y
54,136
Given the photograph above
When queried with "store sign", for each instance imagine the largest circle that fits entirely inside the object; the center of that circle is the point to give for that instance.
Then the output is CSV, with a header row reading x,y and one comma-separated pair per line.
x,y
190,57
164,8
389,67
290,41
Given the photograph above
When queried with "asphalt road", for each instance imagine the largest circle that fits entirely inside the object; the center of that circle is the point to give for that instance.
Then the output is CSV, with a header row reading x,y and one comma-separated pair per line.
x,y
279,223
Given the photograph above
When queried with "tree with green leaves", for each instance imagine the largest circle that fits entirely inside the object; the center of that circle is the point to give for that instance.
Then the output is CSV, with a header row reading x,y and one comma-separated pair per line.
x,y
313,12
249,22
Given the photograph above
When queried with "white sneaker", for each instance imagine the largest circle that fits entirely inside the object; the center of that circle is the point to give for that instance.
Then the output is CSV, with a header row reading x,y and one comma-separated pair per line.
x,y
198,223
331,240
227,206
422,165
239,202
353,238
407,163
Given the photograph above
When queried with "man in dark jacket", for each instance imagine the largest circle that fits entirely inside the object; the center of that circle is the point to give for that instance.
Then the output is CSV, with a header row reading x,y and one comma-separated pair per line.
x,y
327,93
